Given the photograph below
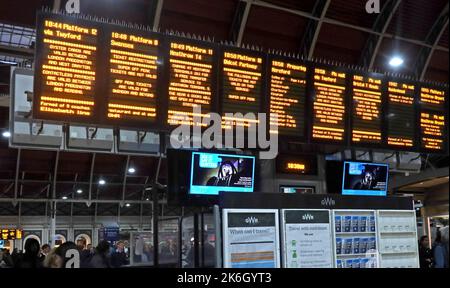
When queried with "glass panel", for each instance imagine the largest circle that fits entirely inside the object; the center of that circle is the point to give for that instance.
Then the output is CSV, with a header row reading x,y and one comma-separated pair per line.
x,y
168,241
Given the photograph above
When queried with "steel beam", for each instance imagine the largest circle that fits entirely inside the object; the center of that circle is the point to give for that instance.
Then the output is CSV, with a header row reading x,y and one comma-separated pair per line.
x,y
157,14
55,174
239,21
313,28
125,173
381,24
16,182
399,181
91,176
433,37
342,24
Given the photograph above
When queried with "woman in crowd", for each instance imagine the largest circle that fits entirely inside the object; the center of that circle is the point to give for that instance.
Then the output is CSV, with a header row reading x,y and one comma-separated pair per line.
x,y
425,255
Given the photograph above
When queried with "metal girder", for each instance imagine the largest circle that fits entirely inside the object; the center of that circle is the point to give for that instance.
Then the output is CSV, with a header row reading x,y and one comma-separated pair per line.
x,y
373,43
312,32
157,13
17,52
55,174
91,177
399,181
17,175
435,33
342,24
125,172
239,21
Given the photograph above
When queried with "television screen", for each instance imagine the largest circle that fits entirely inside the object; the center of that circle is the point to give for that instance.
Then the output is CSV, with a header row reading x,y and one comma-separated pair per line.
x,y
368,179
212,173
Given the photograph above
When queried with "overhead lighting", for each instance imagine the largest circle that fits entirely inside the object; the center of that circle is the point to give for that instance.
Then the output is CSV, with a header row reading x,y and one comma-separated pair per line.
x,y
79,191
421,183
127,205
101,182
6,134
64,197
131,170
147,199
396,61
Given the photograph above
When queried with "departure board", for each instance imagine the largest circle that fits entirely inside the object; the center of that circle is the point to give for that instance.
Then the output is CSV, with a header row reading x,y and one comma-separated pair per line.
x,y
432,119
329,105
241,86
133,71
401,115
66,63
191,81
366,111
287,97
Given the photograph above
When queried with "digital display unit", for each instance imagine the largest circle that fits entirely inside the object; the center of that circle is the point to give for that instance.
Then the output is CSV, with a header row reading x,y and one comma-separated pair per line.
x,y
213,173
11,234
67,73
191,80
401,115
368,179
433,119
367,109
133,75
241,85
328,121
288,96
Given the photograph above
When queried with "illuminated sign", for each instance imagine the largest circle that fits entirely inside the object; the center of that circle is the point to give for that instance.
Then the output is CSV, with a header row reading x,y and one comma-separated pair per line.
x,y
133,70
67,67
191,81
366,112
400,115
329,105
432,118
241,90
287,97
301,164
11,234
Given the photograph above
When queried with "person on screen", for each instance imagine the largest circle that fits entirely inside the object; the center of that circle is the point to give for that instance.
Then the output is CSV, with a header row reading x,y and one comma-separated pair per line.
x,y
226,173
366,183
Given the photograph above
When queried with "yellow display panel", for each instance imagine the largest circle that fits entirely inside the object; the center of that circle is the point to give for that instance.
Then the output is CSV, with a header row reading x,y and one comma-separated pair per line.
x,y
190,82
68,70
366,114
329,105
133,68
432,118
400,115
241,89
287,97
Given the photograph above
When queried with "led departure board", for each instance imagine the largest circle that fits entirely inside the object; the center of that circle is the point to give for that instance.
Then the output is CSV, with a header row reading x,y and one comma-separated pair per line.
x,y
191,81
432,118
11,234
366,111
133,70
67,64
241,86
401,115
329,105
287,97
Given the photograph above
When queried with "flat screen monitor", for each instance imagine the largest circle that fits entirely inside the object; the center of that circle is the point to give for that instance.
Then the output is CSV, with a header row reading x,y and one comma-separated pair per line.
x,y
368,179
212,173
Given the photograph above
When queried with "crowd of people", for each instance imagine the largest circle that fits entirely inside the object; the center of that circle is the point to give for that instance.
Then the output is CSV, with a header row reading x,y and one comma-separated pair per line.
x,y
436,256
35,256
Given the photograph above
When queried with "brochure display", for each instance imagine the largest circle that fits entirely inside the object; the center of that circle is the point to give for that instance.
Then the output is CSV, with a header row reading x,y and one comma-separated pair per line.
x,y
355,239
250,238
397,234
307,238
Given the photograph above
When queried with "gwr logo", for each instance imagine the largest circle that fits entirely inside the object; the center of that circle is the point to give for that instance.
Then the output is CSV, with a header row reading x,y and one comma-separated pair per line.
x,y
308,217
327,201
251,220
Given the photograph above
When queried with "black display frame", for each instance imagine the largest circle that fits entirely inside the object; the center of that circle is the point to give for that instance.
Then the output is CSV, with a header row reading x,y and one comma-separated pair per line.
x,y
165,79
307,113
383,97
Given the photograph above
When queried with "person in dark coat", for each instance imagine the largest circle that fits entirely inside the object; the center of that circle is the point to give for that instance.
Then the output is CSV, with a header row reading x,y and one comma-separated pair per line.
x,y
101,257
30,259
119,257
425,255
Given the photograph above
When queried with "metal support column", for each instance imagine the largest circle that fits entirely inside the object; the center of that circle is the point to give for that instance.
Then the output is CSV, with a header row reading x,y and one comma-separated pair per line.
x,y
218,232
